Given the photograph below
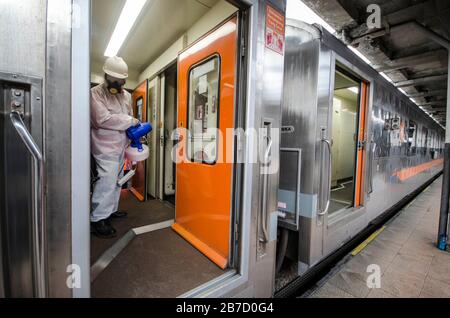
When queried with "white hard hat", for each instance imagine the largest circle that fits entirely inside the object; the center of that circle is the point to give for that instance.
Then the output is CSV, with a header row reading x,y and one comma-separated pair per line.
x,y
116,67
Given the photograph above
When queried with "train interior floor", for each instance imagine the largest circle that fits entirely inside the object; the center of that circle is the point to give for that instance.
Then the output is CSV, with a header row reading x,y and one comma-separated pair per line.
x,y
410,264
158,264
341,196
139,214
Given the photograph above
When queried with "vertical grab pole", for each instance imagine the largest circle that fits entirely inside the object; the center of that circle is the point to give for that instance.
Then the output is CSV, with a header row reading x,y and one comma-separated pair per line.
x,y
443,218
327,142
266,164
38,216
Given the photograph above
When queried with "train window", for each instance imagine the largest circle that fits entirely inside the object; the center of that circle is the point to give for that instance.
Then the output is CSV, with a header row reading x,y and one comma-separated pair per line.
x,y
203,111
411,132
346,104
424,140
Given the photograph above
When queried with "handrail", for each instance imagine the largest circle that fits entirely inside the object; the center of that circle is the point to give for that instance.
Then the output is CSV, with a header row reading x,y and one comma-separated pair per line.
x,y
265,230
372,158
38,216
328,144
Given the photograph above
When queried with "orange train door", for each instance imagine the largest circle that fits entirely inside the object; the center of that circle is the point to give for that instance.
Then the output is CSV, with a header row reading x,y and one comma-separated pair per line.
x,y
361,145
207,80
138,184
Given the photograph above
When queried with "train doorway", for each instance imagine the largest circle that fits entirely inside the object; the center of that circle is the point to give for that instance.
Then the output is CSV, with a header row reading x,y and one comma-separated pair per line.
x,y
169,120
347,141
162,93
139,105
181,76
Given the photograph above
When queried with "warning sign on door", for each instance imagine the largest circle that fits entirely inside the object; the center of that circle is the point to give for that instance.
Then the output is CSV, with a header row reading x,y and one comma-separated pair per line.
x,y
275,26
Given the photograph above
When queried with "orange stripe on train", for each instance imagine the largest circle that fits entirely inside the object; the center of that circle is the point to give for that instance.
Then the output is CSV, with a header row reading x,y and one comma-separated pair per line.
x,y
407,173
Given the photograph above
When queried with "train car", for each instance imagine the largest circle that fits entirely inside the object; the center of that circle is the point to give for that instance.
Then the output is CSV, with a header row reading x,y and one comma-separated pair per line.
x,y
192,228
302,146
352,147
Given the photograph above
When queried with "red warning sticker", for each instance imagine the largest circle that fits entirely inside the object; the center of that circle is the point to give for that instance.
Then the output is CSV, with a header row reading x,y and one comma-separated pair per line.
x,y
275,27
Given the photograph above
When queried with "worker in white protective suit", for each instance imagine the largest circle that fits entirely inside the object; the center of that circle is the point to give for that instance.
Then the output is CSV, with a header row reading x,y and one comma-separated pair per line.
x,y
111,116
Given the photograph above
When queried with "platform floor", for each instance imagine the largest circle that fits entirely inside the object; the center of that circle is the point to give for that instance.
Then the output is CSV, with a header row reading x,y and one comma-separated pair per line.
x,y
410,264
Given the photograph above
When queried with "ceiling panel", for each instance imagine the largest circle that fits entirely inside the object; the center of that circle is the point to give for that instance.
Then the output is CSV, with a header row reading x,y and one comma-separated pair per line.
x,y
160,24
105,13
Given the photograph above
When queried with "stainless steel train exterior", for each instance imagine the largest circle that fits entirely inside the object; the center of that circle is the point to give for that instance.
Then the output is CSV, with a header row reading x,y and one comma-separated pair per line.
x,y
411,149
45,54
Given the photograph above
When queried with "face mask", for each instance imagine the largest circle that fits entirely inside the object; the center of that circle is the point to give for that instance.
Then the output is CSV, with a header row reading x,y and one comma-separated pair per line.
x,y
114,87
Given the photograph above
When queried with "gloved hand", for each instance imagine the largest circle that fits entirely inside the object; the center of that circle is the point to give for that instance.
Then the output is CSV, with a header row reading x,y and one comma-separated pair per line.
x,y
135,122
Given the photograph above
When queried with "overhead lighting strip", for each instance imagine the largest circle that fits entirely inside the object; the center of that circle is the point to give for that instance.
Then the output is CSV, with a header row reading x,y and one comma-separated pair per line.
x,y
127,19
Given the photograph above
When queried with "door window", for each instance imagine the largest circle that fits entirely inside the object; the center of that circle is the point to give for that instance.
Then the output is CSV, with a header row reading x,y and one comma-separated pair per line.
x,y
203,111
139,104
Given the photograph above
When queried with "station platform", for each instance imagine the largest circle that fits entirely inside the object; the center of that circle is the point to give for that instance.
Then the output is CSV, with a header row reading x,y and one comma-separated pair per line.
x,y
405,252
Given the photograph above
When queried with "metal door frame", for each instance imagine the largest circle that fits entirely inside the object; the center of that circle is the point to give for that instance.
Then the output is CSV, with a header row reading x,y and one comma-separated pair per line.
x,y
159,79
160,137
170,66
155,82
80,160
344,216
43,48
337,66
31,110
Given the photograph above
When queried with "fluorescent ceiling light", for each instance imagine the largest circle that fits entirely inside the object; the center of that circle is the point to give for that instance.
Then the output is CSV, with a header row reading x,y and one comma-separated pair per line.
x,y
128,17
354,90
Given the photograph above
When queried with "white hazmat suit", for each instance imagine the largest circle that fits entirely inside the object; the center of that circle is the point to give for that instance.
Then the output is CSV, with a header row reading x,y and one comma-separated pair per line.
x,y
111,116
